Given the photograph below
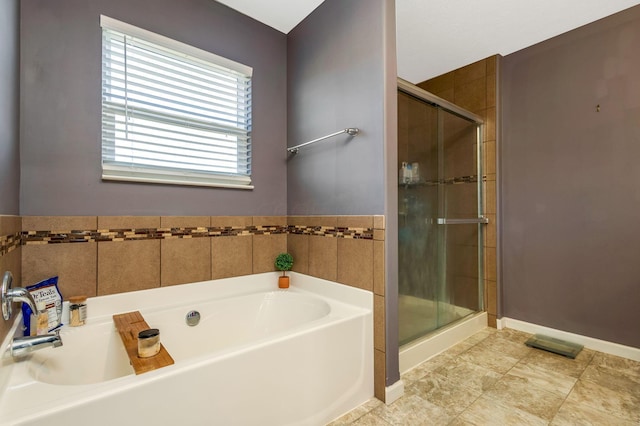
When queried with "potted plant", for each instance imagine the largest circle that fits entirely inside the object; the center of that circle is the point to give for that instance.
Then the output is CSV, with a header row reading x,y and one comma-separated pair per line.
x,y
284,262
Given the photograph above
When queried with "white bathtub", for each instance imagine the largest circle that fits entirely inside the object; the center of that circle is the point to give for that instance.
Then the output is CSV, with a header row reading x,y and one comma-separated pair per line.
x,y
260,356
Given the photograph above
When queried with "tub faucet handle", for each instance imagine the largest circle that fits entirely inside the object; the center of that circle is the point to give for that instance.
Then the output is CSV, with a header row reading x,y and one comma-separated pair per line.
x,y
10,295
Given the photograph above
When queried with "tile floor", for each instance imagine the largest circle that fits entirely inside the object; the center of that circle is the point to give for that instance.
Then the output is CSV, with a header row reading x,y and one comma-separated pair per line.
x,y
492,378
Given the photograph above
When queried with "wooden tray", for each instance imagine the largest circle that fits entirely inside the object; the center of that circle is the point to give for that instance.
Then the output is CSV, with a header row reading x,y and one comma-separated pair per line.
x,y
128,326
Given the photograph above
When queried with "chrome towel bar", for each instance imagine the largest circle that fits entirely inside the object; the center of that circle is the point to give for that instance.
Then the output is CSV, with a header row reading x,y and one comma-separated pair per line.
x,y
352,131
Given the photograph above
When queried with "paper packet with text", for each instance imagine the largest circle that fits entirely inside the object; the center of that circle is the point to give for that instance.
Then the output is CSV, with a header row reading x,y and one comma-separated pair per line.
x,y
45,291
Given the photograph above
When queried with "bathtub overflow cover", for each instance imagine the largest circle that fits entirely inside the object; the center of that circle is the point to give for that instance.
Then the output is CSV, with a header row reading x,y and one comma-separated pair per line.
x,y
193,318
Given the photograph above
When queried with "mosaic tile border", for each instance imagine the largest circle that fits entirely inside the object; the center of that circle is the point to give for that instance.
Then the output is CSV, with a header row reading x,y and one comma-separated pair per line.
x,y
337,232
103,235
9,243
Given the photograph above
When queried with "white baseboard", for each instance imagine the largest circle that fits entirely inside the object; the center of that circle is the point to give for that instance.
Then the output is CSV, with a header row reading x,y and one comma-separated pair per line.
x,y
588,342
394,392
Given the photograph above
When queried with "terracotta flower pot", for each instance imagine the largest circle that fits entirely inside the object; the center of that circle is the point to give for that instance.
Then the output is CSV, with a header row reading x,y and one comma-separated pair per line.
x,y
283,281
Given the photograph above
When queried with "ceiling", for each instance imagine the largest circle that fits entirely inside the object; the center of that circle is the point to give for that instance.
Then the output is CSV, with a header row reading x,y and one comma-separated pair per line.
x,y
437,36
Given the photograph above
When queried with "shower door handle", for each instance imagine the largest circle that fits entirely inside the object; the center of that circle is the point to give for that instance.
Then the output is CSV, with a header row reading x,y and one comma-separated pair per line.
x,y
445,221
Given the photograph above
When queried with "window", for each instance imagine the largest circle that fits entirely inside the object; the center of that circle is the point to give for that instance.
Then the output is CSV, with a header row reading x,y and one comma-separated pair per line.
x,y
172,113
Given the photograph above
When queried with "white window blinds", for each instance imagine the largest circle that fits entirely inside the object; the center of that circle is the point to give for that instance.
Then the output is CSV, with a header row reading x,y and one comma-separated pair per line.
x,y
172,113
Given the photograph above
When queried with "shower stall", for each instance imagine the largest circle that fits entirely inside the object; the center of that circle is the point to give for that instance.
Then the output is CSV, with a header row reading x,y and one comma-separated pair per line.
x,y
440,223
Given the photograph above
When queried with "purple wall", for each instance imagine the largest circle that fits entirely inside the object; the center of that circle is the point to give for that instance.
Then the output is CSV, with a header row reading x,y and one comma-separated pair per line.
x,y
336,80
60,111
571,181
342,73
9,107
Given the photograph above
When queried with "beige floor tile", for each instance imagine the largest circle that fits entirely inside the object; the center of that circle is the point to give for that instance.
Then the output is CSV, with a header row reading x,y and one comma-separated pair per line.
x,y
514,335
458,421
493,360
468,374
370,420
427,367
459,349
450,395
559,363
413,410
519,393
572,414
613,362
504,344
357,413
480,336
542,388
617,404
485,412
552,381
616,380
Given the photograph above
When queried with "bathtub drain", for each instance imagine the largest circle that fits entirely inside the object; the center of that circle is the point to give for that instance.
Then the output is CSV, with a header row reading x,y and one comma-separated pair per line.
x,y
193,318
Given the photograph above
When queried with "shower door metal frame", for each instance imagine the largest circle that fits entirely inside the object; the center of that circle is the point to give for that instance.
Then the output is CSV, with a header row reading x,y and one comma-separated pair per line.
x,y
443,104
417,92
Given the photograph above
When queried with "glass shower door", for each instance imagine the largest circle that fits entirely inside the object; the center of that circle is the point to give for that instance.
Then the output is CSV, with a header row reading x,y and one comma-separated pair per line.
x,y
439,207
460,229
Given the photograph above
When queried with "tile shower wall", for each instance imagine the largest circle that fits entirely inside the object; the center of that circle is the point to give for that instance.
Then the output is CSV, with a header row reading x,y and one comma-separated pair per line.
x,y
474,88
114,254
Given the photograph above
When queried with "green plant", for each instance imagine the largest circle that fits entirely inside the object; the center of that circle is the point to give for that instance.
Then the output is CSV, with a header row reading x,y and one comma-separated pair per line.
x,y
284,262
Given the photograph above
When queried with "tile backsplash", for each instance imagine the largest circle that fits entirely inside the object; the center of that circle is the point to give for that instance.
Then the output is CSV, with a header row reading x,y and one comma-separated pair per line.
x,y
113,254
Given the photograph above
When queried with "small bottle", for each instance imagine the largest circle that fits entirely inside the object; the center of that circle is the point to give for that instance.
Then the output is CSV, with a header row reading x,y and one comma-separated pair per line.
x,y
415,172
408,176
401,173
42,319
404,174
77,310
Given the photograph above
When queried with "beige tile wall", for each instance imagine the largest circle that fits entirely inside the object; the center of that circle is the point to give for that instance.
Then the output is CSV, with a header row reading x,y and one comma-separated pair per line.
x,y
75,264
473,87
185,260
107,267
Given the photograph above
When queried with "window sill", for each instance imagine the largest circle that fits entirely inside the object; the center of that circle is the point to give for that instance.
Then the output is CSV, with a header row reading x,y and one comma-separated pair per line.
x,y
175,182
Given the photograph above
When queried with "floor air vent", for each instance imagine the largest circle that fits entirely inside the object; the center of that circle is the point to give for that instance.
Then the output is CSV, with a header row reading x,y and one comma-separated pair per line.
x,y
557,346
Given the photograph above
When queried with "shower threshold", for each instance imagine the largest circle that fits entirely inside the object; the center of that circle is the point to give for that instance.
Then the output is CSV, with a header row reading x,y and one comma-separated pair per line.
x,y
414,353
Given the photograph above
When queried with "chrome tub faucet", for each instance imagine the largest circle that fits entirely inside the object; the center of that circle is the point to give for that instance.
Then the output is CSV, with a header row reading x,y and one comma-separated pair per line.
x,y
23,345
